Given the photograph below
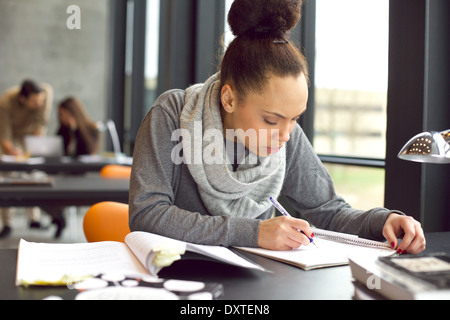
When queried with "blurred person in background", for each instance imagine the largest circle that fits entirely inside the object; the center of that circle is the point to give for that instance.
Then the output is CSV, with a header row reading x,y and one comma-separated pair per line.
x,y
80,134
81,137
24,110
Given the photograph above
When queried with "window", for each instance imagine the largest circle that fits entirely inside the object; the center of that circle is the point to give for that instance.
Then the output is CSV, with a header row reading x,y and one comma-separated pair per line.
x,y
141,60
350,94
228,35
351,77
362,187
351,74
152,51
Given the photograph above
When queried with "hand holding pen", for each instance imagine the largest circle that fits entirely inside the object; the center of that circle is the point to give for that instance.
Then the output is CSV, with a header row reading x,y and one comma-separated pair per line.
x,y
282,233
284,212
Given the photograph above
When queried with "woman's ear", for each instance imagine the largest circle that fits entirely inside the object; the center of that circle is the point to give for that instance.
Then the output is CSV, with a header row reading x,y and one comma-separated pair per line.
x,y
228,98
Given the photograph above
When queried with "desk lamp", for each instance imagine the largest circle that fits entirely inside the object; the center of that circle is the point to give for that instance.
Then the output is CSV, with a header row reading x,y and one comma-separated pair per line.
x,y
429,147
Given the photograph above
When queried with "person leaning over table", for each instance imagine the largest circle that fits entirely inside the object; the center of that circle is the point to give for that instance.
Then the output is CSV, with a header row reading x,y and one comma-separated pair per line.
x,y
24,110
262,87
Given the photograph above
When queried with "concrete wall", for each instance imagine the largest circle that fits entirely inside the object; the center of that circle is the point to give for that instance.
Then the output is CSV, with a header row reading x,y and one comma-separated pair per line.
x,y
36,43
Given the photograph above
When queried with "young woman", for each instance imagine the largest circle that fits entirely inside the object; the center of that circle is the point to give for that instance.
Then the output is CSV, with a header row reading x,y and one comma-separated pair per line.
x,y
79,132
81,137
207,159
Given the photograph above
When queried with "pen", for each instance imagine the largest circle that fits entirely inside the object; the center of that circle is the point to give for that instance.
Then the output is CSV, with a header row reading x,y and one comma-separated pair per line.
x,y
285,213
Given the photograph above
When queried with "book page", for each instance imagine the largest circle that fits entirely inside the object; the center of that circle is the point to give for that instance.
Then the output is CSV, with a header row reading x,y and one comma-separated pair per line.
x,y
224,255
142,243
306,257
58,264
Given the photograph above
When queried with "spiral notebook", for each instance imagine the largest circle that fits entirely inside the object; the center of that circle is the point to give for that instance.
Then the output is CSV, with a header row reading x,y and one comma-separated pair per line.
x,y
332,249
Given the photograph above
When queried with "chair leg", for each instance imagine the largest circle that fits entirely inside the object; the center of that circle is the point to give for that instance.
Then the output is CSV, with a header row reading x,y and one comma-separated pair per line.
x,y
73,223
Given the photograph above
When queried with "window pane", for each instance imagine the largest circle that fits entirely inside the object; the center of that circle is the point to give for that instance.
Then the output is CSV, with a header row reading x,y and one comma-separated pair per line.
x,y
351,77
361,187
152,51
228,35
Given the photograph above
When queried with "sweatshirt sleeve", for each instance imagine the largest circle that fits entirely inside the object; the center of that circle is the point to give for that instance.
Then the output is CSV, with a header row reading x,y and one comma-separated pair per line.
x,y
153,188
310,191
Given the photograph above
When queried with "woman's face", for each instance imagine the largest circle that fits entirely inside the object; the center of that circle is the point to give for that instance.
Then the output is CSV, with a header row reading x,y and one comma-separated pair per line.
x,y
263,121
65,117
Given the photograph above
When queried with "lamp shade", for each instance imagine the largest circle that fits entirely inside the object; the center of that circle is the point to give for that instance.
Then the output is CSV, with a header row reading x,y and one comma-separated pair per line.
x,y
429,147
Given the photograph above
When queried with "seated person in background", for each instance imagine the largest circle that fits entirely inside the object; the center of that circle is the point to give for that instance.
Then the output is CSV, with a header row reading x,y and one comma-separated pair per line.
x,y
24,110
80,136
79,132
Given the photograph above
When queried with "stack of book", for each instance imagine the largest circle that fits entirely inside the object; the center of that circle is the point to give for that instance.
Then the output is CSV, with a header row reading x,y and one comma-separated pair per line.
x,y
409,277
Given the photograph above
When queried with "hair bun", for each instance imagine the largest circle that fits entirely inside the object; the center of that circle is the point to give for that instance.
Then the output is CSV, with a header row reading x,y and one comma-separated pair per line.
x,y
275,17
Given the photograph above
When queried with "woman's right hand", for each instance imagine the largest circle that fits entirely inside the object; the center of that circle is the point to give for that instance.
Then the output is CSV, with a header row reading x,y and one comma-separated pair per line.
x,y
282,233
67,119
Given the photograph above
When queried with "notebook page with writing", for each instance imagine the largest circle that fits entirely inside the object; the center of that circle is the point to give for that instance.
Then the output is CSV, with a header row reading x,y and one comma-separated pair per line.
x,y
328,252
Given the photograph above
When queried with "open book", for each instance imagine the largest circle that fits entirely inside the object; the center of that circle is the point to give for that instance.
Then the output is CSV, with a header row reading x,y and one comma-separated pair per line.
x,y
332,249
142,253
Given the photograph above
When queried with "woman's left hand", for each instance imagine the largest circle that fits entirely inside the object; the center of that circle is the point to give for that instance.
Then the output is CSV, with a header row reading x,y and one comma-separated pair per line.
x,y
399,226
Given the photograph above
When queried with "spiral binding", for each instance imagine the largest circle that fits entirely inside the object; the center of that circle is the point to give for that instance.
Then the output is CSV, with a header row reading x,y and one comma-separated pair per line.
x,y
352,240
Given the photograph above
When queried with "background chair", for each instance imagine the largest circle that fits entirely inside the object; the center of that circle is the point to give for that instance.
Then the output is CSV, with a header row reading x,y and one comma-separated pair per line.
x,y
116,171
106,221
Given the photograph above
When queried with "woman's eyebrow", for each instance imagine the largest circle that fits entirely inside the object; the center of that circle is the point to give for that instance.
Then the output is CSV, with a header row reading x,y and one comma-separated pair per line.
x,y
283,117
